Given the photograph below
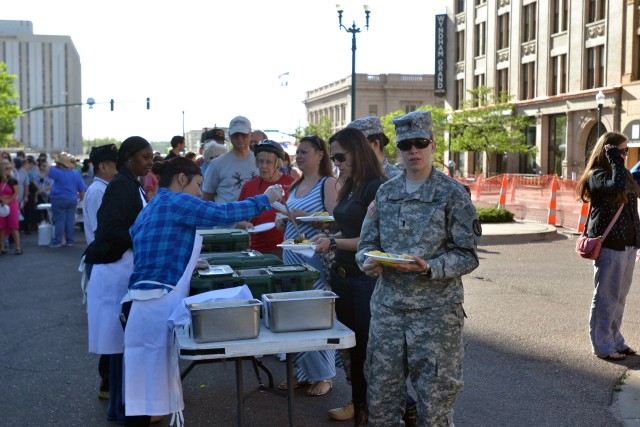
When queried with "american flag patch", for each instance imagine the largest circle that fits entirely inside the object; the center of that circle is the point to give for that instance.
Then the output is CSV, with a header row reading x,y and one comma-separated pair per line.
x,y
372,209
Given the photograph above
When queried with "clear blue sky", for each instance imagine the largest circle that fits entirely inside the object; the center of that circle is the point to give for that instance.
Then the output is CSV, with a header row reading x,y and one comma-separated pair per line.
x,y
215,60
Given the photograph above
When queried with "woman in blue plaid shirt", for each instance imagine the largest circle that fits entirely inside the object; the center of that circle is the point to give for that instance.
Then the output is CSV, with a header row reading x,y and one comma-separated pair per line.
x,y
166,249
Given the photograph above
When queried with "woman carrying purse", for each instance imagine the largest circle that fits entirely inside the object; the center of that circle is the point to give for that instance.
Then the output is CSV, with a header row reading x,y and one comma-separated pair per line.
x,y
607,185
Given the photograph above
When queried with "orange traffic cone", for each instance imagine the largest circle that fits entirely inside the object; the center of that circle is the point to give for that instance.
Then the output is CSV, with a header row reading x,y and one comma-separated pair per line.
x,y
552,202
584,211
503,193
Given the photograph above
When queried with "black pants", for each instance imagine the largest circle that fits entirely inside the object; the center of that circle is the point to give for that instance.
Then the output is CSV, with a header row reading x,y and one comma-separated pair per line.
x,y
137,421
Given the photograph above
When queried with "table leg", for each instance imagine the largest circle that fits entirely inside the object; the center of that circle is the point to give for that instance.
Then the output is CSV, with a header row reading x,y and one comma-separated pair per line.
x,y
239,391
290,389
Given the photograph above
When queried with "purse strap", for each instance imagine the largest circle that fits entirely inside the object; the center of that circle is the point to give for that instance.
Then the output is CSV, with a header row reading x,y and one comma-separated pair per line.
x,y
613,221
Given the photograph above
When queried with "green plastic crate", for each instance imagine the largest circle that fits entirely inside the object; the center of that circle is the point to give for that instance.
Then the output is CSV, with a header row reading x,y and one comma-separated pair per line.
x,y
241,259
224,240
293,277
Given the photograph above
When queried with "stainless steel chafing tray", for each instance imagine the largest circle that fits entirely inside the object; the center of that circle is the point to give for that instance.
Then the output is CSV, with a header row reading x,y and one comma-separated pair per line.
x,y
225,320
298,311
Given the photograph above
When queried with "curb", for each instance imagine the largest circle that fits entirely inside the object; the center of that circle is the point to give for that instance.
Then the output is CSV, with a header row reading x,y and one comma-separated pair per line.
x,y
629,399
517,232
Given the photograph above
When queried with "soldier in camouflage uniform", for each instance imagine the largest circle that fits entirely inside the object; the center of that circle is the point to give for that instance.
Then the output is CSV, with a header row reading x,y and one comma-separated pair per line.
x,y
372,128
416,308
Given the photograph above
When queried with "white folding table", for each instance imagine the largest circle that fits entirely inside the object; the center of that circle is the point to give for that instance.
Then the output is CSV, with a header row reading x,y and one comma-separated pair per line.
x,y
267,342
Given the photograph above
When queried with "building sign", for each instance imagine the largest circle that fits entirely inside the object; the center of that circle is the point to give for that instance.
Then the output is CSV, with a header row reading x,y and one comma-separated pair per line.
x,y
441,55
632,132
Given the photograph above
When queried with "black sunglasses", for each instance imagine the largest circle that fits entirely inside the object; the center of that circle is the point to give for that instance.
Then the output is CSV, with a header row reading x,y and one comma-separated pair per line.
x,y
339,157
408,143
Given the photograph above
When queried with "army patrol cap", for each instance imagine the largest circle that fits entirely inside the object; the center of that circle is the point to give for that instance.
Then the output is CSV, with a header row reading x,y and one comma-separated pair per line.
x,y
368,125
413,125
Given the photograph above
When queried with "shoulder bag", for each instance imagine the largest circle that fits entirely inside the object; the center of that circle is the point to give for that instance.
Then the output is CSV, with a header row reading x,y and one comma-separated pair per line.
x,y
589,247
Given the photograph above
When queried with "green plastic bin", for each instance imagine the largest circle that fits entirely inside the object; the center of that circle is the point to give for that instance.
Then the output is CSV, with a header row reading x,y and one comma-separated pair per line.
x,y
294,277
224,240
241,259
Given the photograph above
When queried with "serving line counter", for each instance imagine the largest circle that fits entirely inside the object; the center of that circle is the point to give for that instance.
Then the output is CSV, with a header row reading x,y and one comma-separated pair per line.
x,y
267,342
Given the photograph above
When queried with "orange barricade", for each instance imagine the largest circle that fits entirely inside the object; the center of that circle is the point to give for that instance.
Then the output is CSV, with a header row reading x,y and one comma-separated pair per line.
x,y
584,211
530,197
551,217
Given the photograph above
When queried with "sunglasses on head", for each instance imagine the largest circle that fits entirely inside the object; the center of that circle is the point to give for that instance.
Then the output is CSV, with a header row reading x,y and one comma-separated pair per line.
x,y
315,139
408,143
339,157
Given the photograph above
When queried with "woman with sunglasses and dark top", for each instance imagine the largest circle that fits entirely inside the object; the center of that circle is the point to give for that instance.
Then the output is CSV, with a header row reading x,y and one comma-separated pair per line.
x,y
362,174
269,158
609,186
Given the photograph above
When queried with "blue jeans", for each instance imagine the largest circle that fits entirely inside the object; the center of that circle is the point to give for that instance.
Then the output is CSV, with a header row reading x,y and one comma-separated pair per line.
x,y
613,272
64,219
353,309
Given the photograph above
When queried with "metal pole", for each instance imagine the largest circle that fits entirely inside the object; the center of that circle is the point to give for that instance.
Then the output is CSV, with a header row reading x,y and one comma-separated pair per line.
x,y
353,73
183,124
599,120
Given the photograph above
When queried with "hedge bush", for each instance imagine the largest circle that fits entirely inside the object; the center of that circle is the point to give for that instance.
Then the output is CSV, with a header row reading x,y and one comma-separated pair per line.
x,y
492,215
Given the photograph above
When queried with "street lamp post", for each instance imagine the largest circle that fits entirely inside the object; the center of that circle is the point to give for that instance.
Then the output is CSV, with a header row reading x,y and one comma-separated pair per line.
x,y
599,103
353,31
450,164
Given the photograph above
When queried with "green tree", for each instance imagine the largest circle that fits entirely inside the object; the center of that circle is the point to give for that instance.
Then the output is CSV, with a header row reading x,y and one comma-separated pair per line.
x,y
323,130
9,108
489,123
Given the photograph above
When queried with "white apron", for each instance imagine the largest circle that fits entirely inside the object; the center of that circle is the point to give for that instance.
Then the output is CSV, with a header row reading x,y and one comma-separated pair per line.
x,y
108,284
152,383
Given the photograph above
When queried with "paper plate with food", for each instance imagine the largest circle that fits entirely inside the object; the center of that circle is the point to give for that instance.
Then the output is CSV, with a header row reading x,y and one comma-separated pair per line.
x,y
316,217
387,259
262,227
291,245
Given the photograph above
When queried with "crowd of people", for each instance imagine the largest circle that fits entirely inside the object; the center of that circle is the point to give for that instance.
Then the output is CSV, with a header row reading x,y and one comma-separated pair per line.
x,y
141,211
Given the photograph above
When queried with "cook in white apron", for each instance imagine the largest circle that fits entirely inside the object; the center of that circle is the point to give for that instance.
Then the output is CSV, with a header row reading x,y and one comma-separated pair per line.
x,y
152,376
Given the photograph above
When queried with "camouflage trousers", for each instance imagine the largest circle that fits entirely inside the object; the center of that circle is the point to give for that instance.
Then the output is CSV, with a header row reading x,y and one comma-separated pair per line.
x,y
424,344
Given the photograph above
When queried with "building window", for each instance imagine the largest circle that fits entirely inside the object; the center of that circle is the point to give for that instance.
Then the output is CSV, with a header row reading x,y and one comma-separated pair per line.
x,y
560,10
478,81
480,2
557,143
460,46
595,10
502,81
503,31
527,163
480,39
459,6
528,81
409,108
558,74
595,67
459,101
529,22
373,110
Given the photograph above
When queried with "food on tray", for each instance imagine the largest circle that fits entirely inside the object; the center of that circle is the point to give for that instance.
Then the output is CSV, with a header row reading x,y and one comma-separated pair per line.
x,y
320,214
202,264
293,242
386,255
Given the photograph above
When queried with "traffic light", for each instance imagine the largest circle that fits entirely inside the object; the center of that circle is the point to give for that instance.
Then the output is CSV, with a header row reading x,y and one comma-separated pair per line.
x,y
148,103
112,105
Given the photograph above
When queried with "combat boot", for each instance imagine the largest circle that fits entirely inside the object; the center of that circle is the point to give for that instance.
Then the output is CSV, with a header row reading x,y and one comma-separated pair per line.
x,y
342,414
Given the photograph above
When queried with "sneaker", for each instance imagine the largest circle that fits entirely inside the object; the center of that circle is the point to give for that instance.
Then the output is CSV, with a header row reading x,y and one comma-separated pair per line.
x,y
55,245
342,414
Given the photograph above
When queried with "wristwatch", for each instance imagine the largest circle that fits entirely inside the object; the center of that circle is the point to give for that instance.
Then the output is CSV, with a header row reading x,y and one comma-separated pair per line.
x,y
333,246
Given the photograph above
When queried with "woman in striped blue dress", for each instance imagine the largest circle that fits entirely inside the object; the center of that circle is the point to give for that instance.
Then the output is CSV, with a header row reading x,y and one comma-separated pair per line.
x,y
315,191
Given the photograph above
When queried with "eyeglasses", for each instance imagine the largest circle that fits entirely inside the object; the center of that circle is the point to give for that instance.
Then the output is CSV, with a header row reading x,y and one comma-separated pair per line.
x,y
408,143
339,157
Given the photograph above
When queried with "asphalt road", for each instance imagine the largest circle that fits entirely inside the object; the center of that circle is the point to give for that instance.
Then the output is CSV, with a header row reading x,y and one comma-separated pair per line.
x,y
528,357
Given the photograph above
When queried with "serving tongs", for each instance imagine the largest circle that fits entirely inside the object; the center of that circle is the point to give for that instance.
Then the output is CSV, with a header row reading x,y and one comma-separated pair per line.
x,y
300,237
